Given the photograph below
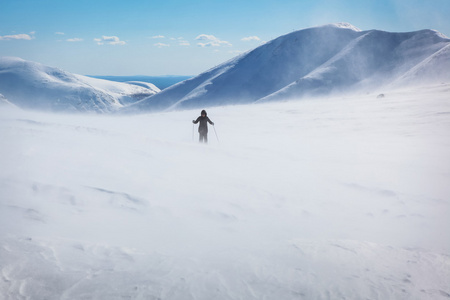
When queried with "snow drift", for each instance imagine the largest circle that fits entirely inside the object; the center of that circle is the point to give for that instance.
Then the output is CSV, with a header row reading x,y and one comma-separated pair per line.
x,y
342,198
315,61
35,86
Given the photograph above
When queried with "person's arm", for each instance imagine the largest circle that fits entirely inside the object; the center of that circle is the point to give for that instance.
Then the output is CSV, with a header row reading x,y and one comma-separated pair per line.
x,y
195,121
210,122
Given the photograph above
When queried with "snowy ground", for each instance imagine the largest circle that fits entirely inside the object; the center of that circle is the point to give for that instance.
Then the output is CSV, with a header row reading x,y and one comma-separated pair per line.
x,y
345,198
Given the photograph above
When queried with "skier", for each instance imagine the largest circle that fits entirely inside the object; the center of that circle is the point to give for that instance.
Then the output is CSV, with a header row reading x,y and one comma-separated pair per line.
x,y
203,127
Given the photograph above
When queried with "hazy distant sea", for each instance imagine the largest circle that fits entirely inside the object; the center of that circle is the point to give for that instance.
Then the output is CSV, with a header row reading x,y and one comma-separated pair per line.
x,y
161,82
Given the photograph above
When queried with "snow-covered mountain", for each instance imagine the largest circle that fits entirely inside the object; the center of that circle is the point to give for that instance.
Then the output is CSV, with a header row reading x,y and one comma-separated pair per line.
x,y
314,61
35,86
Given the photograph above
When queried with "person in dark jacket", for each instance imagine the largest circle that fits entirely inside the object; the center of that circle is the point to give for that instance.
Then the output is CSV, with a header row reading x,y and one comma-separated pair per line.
x,y
203,127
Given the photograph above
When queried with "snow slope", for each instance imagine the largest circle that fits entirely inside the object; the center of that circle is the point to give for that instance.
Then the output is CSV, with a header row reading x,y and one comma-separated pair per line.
x,y
34,86
147,85
435,68
344,198
4,101
161,82
315,61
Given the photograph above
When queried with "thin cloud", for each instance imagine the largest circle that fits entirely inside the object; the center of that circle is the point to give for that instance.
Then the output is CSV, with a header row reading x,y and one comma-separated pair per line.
x,y
60,33
206,37
74,40
158,37
110,40
215,44
211,41
184,43
251,38
21,36
161,45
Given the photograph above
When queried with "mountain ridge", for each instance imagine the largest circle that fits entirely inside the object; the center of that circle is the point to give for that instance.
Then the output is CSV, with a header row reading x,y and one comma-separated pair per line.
x,y
313,61
317,61
33,85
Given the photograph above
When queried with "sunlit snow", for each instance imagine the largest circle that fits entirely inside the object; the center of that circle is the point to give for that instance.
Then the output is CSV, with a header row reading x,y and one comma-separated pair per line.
x,y
340,198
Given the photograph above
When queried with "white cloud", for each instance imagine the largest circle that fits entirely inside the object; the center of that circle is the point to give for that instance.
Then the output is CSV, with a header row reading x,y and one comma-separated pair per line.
x,y
211,41
110,40
215,44
59,33
161,45
206,37
158,37
21,36
251,38
75,40
184,43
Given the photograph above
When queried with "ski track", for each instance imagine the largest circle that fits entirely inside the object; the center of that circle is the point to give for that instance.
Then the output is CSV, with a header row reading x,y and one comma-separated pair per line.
x,y
343,198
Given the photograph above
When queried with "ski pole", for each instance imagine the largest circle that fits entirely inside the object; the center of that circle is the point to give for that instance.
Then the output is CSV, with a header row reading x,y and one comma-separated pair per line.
x,y
193,131
216,133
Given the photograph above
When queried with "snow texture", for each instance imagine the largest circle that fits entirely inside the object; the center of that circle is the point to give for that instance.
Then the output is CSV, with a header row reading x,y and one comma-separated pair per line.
x,y
31,85
4,101
147,85
325,60
340,198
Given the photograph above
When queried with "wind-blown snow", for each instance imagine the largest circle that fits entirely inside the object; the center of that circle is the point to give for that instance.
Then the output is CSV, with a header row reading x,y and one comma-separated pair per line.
x,y
147,85
4,101
346,198
343,25
436,67
324,60
34,86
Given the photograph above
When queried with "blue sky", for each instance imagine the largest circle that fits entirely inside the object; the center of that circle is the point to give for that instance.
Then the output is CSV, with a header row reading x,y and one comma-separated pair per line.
x,y
109,37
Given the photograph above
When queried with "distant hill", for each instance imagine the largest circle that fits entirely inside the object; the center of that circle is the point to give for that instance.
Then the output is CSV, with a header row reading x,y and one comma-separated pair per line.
x,y
162,82
315,61
32,85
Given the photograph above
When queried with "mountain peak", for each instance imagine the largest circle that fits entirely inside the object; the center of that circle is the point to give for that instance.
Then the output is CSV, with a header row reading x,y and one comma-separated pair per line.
x,y
343,25
439,34
11,59
316,61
